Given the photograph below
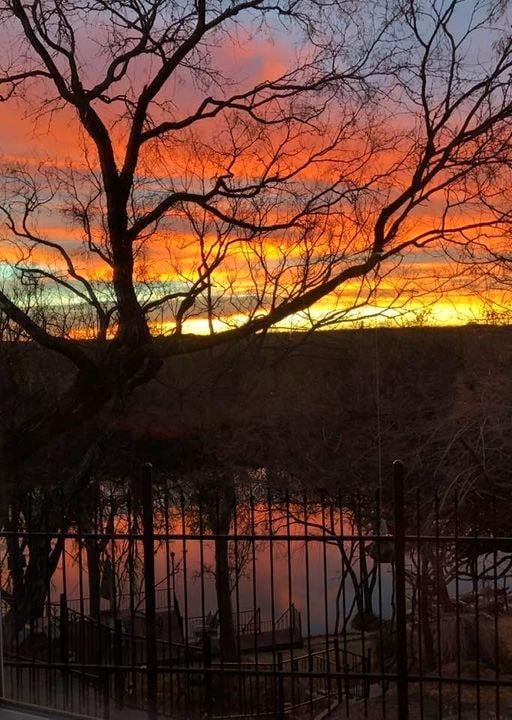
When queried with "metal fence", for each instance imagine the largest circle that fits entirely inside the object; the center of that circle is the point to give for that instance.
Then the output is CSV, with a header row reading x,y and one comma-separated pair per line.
x,y
231,601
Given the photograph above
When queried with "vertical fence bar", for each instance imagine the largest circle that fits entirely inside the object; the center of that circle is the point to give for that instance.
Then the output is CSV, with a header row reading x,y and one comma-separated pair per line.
x,y
291,607
63,629
119,675
132,549
2,669
401,619
337,662
325,599
308,603
255,609
149,588
457,605
237,601
381,545
185,601
208,678
363,579
105,691
80,657
475,572
418,614
280,688
170,588
65,642
439,575
497,660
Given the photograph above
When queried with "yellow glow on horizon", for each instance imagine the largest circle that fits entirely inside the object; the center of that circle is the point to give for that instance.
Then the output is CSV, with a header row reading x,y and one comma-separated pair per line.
x,y
452,312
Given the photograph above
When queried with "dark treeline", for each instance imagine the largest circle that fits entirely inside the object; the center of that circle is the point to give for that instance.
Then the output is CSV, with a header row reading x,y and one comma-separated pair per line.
x,y
321,411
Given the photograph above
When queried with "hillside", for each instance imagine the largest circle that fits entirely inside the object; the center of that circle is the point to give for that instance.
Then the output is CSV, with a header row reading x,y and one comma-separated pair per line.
x,y
318,408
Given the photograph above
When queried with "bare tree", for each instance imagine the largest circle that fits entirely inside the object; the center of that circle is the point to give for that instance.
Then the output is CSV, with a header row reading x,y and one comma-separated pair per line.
x,y
383,134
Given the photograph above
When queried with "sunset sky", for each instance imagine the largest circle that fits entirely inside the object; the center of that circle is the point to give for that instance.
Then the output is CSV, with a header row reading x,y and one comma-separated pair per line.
x,y
415,287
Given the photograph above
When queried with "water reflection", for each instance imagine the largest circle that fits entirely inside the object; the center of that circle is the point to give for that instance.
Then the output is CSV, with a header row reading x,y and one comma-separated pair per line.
x,y
277,557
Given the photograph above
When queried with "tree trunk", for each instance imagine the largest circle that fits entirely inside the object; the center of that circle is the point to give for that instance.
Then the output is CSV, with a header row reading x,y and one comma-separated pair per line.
x,y
29,584
218,517
228,644
132,327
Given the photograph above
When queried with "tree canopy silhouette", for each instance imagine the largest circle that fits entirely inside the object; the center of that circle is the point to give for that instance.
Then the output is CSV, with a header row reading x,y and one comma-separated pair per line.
x,y
202,183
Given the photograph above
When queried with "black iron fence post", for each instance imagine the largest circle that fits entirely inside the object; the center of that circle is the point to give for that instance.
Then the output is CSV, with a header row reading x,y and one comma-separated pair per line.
x,y
208,679
64,642
104,677
119,676
63,630
280,688
2,668
337,662
368,669
401,617
149,588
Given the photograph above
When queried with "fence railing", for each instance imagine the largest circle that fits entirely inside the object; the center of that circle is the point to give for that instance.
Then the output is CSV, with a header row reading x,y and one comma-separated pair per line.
x,y
239,604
